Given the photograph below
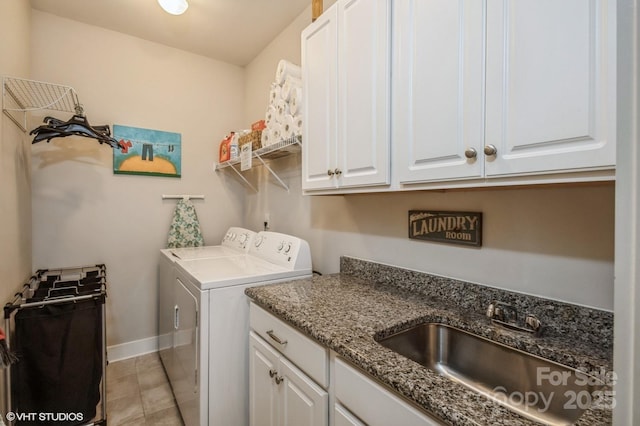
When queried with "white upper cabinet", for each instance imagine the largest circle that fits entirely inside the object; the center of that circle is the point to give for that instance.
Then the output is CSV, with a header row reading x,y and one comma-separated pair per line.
x,y
346,81
319,82
502,89
550,85
438,89
363,92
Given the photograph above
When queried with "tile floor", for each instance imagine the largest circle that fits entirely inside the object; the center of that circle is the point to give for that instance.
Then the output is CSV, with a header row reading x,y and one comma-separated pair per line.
x,y
138,393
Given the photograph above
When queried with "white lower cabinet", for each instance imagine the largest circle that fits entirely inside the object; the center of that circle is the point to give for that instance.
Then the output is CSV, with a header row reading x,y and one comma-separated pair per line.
x,y
343,417
303,401
281,394
361,401
263,395
293,383
288,375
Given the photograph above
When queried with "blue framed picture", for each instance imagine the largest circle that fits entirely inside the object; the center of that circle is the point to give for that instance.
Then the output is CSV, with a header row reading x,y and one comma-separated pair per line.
x,y
147,152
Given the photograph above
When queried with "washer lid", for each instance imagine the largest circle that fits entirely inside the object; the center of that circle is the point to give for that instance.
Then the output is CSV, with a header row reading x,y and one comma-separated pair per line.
x,y
202,252
236,241
235,270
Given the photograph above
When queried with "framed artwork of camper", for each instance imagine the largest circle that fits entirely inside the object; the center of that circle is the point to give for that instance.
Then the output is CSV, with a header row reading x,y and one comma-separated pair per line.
x,y
147,152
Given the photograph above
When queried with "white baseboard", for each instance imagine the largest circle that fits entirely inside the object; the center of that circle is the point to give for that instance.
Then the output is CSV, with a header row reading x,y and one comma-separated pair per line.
x,y
132,349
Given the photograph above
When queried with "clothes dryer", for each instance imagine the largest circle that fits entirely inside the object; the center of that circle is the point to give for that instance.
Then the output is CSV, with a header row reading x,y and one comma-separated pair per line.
x,y
236,241
212,325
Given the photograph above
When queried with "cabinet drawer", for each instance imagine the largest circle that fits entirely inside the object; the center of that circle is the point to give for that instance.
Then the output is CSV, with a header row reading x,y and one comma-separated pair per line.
x,y
308,355
372,403
344,417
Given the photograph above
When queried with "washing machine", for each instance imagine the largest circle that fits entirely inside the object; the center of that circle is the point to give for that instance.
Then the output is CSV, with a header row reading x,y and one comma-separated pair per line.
x,y
236,241
212,325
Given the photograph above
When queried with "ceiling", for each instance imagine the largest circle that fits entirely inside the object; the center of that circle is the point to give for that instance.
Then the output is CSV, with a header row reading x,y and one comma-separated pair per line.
x,y
232,31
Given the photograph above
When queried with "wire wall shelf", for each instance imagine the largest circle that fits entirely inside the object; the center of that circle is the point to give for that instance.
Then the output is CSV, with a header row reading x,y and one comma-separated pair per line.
x,y
20,96
269,152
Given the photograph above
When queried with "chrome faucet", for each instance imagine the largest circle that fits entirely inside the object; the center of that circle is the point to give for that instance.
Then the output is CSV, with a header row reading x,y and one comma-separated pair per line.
x,y
506,315
534,324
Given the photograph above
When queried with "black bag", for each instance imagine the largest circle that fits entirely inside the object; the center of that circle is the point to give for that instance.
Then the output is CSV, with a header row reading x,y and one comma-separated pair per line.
x,y
59,364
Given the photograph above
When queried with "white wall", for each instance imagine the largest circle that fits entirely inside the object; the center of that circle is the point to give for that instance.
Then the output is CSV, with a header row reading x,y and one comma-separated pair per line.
x,y
82,212
261,72
555,242
627,265
15,159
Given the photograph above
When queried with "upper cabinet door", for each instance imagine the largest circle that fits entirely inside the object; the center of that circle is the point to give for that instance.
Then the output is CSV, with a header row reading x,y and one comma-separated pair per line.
x,y
550,85
438,82
346,72
364,92
319,74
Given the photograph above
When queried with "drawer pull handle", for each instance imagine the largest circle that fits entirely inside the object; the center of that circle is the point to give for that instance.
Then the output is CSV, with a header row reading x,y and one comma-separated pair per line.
x,y
279,379
272,373
276,338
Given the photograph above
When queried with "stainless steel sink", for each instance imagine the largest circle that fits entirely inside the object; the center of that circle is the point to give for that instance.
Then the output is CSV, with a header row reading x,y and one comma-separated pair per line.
x,y
536,388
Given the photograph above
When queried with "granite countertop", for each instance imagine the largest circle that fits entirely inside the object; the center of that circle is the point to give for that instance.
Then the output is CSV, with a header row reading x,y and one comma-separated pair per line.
x,y
345,313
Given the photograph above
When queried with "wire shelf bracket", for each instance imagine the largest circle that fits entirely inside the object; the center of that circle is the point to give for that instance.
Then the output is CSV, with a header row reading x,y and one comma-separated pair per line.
x,y
20,96
270,152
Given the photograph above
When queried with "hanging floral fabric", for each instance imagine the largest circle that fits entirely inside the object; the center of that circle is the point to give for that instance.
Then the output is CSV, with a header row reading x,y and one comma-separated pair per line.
x,y
185,228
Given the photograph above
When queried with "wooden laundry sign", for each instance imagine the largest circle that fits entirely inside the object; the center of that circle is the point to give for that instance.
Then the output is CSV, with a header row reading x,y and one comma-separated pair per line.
x,y
446,227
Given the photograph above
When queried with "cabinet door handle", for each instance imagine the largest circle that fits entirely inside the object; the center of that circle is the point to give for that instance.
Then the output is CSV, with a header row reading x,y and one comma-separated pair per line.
x,y
279,379
330,172
176,317
276,338
272,373
338,172
470,153
490,150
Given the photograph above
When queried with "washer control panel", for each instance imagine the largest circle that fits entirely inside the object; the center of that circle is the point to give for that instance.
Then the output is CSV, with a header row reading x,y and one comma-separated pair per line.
x,y
239,238
282,249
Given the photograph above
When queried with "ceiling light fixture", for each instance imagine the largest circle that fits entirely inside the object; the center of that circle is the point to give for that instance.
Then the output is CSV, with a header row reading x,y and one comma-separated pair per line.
x,y
174,7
